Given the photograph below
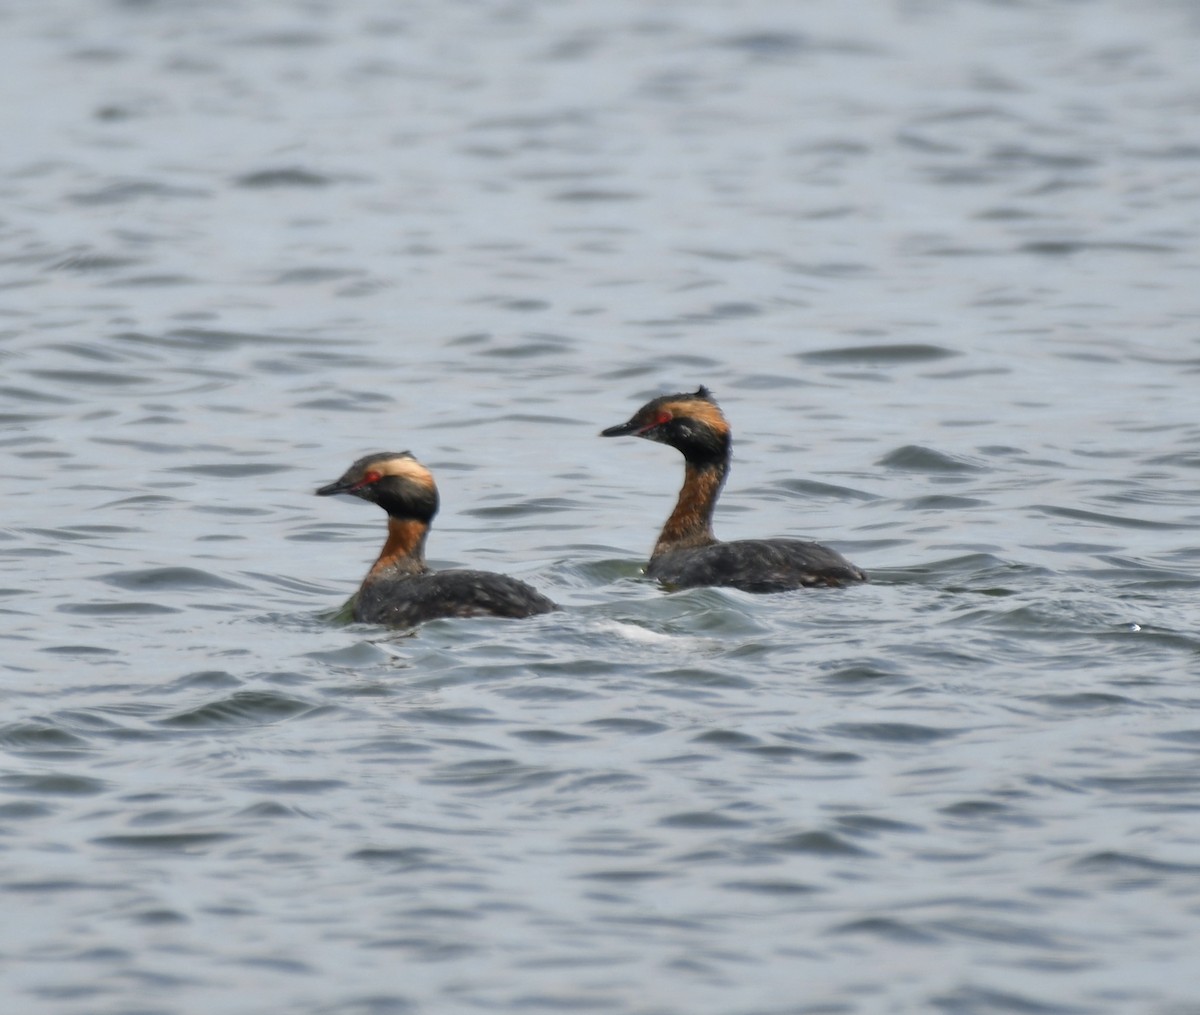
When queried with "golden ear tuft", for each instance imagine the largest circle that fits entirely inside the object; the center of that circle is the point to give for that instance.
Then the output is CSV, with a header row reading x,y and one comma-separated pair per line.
x,y
702,411
406,467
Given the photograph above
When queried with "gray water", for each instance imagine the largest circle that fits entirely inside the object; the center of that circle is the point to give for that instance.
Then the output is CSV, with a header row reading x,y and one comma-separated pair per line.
x,y
937,260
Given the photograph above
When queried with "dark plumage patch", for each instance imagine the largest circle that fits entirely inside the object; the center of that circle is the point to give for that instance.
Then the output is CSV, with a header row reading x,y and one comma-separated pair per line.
x,y
755,565
400,590
687,553
409,600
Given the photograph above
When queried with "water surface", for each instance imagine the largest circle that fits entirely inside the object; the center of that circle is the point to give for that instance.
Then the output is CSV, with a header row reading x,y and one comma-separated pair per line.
x,y
938,263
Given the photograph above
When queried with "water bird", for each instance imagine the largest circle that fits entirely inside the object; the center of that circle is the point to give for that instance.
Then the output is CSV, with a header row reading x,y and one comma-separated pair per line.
x,y
687,553
401,590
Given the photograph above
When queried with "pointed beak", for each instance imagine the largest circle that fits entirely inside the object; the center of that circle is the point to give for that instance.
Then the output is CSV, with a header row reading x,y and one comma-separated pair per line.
x,y
337,486
620,430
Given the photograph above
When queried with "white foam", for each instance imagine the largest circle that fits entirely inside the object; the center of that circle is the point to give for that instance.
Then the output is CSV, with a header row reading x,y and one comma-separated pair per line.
x,y
632,632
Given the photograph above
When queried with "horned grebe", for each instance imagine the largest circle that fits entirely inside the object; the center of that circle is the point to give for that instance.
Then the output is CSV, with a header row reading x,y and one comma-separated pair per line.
x,y
687,553
400,589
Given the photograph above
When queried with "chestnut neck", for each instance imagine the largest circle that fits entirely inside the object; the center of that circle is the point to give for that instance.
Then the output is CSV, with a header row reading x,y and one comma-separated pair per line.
x,y
690,524
404,550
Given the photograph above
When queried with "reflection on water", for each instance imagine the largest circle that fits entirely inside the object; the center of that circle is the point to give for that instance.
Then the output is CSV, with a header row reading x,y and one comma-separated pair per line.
x,y
935,260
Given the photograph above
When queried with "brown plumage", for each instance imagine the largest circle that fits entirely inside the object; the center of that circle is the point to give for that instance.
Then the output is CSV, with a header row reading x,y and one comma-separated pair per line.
x,y
687,553
400,589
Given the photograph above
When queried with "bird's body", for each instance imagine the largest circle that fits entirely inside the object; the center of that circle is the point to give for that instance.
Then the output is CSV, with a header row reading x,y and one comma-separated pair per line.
x,y
401,590
402,600
755,565
687,553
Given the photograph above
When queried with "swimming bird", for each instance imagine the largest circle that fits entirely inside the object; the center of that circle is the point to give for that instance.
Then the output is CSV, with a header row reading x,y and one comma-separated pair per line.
x,y
687,553
401,590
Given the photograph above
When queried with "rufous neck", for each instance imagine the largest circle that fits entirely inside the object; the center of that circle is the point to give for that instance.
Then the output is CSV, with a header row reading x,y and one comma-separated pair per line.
x,y
690,523
404,549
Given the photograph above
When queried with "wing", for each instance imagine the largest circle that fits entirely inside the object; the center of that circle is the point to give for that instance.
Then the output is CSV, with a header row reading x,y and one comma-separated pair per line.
x,y
411,601
756,565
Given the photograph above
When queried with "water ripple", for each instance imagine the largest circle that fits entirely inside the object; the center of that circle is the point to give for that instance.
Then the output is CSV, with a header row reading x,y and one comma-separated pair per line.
x,y
161,578
240,709
188,843
262,244
876,355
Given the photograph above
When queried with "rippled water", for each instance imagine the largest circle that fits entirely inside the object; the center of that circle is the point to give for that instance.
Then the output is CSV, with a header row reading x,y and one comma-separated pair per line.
x,y
938,262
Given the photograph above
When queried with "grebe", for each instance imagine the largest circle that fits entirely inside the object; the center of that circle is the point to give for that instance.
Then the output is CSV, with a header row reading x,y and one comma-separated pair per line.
x,y
687,553
400,589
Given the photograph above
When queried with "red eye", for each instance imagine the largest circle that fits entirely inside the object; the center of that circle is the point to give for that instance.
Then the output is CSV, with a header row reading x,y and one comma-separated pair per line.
x,y
371,477
662,417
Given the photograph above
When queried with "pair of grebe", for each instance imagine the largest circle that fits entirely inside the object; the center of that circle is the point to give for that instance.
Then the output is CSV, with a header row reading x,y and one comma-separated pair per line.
x,y
400,589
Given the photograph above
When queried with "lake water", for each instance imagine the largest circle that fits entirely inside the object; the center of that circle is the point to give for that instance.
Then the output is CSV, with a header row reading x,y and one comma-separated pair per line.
x,y
937,260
